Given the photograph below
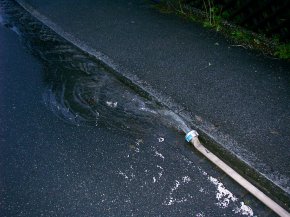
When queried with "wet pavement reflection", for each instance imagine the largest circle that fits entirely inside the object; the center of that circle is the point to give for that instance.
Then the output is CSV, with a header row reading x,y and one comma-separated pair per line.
x,y
76,141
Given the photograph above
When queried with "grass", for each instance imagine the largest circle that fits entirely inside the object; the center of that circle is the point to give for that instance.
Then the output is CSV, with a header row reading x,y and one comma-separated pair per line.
x,y
283,51
212,17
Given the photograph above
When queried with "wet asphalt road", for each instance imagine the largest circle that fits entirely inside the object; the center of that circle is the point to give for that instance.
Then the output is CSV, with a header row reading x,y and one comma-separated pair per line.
x,y
232,94
53,167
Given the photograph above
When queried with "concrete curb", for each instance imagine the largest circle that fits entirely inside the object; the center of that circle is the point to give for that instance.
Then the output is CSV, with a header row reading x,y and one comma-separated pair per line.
x,y
217,142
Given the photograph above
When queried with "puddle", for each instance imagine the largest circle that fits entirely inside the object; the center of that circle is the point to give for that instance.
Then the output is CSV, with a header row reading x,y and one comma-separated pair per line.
x,y
79,90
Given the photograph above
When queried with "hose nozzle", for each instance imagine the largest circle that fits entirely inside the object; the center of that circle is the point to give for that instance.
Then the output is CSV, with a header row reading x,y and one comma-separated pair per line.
x,y
190,135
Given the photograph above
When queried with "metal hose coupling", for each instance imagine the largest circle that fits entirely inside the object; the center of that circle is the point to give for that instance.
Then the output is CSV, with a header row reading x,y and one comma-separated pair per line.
x,y
190,135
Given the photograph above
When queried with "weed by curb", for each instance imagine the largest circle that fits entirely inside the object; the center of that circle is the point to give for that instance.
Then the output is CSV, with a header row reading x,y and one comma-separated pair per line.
x,y
212,17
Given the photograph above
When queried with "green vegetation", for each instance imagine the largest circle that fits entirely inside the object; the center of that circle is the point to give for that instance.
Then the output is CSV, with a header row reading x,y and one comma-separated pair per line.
x,y
239,35
283,51
212,17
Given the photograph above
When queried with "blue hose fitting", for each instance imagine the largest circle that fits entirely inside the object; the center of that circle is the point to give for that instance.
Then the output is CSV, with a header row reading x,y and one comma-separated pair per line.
x,y
189,136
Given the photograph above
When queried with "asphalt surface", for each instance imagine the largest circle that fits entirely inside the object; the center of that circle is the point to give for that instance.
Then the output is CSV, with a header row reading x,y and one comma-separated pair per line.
x,y
55,165
236,96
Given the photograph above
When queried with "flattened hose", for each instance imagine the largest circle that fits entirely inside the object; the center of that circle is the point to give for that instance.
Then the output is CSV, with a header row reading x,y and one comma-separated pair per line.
x,y
192,137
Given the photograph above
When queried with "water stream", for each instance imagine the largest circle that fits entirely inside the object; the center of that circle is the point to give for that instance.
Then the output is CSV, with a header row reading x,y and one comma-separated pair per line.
x,y
79,89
